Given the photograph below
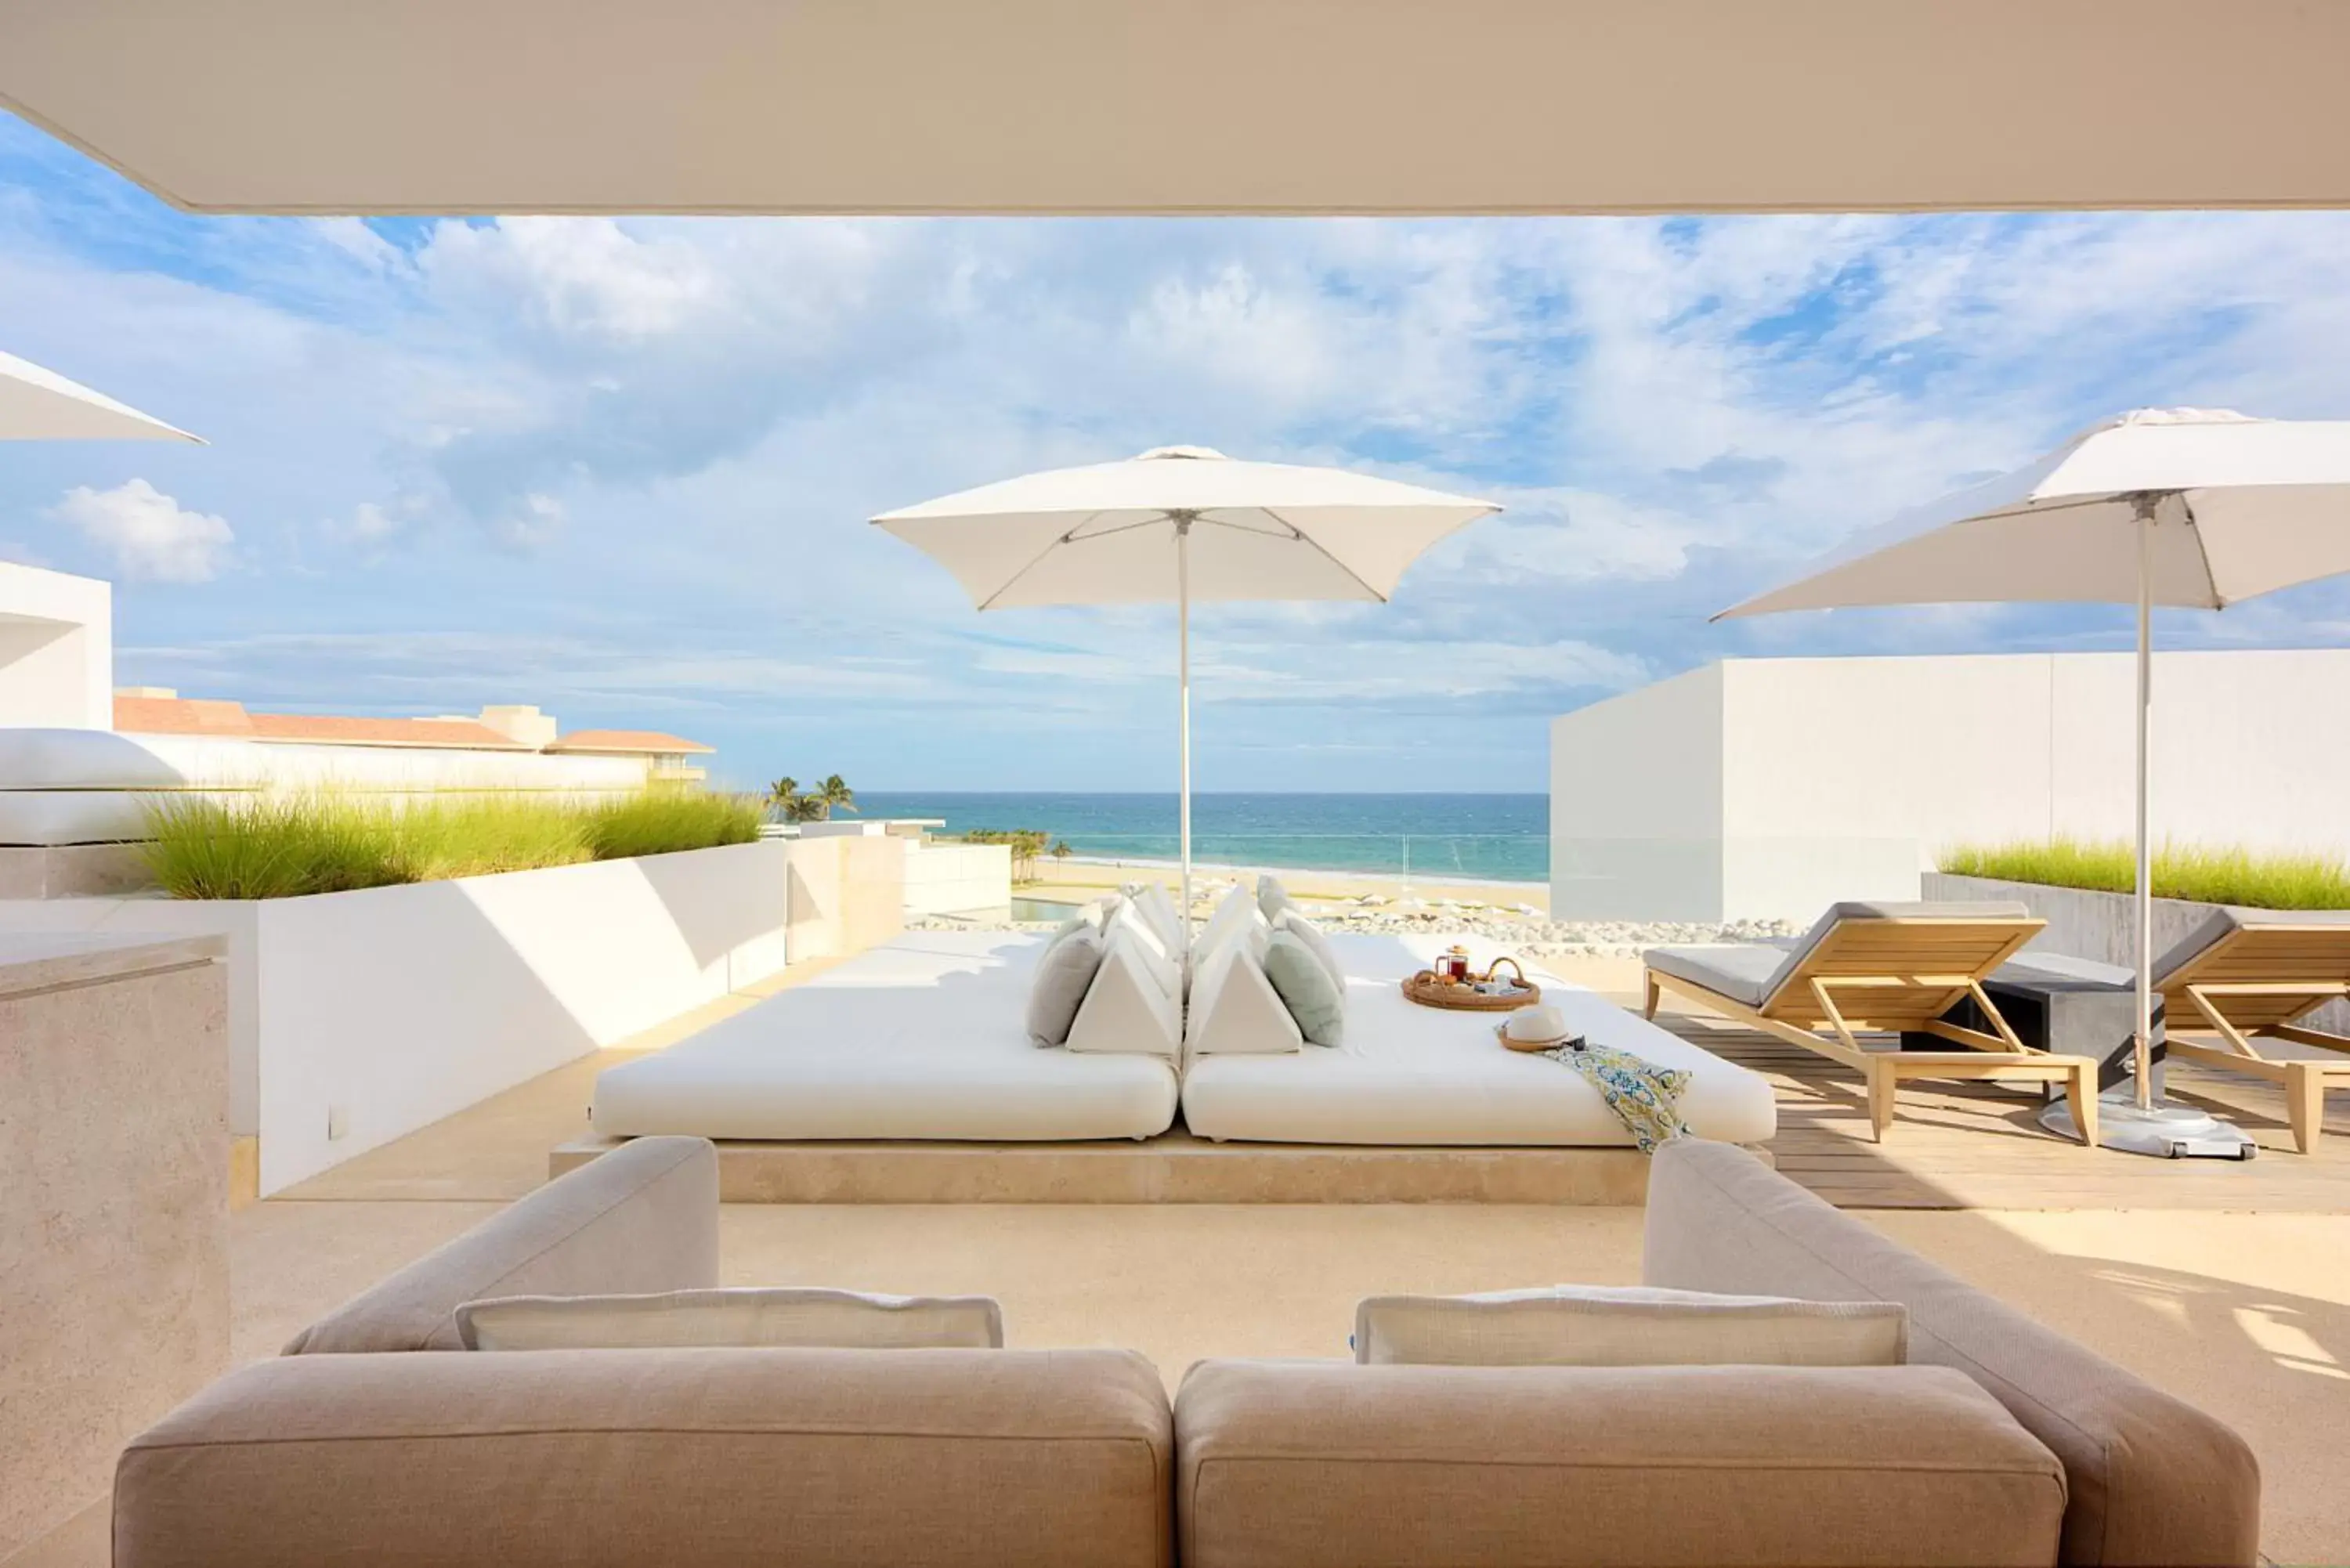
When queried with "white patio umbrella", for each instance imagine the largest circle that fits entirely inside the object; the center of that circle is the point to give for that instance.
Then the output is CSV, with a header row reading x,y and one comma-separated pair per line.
x,y
41,405
2163,506
1185,524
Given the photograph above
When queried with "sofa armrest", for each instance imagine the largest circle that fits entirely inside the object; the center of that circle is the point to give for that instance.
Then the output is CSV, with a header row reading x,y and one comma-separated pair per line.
x,y
601,1459
640,1219
2153,1480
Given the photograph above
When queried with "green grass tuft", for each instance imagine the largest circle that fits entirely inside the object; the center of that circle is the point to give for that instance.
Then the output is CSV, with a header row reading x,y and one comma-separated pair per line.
x,y
2201,874
660,821
287,846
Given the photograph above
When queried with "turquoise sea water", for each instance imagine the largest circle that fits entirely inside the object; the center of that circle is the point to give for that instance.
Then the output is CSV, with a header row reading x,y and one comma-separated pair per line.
x,y
1483,838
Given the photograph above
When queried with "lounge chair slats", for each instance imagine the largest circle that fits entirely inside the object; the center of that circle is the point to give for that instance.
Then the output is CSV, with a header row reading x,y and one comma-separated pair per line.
x,y
1886,968
2245,975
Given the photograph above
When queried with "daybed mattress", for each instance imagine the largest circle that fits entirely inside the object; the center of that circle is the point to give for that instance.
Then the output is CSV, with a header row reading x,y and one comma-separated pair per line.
x,y
1413,1075
922,1038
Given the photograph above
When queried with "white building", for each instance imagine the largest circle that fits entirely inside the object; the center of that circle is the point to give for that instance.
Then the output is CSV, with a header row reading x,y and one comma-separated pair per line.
x,y
57,649
80,761
1767,788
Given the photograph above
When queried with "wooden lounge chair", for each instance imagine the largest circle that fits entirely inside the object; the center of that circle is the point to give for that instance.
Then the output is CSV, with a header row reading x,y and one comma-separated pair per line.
x,y
2244,974
1882,966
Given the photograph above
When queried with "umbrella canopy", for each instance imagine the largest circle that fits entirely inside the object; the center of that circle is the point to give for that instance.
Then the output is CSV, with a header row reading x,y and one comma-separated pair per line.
x,y
1181,523
1105,533
2173,506
41,405
2243,506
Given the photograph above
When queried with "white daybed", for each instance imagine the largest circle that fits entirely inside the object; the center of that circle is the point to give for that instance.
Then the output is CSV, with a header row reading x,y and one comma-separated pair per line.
x,y
1412,1074
923,1038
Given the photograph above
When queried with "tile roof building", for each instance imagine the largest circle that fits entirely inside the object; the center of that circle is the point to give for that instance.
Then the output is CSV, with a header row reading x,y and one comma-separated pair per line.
x,y
158,711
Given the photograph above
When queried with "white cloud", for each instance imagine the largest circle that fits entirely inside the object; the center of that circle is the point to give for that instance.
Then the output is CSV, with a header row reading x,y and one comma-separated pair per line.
x,y
682,424
149,535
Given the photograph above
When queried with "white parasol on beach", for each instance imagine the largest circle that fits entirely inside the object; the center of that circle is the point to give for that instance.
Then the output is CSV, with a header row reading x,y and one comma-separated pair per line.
x,y
2194,507
37,404
1185,523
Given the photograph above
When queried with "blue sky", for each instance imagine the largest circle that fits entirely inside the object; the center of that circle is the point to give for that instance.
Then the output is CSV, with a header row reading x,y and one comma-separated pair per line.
x,y
621,468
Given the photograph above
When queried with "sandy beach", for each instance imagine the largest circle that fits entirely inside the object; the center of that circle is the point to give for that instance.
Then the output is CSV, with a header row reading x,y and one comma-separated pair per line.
x,y
1078,878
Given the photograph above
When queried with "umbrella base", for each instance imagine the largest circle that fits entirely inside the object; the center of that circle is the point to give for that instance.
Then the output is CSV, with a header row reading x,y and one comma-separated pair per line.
x,y
2165,1130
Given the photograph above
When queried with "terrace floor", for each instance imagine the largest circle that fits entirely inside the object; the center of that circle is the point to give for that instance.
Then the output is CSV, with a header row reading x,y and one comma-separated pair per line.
x,y
2230,1285
1979,1145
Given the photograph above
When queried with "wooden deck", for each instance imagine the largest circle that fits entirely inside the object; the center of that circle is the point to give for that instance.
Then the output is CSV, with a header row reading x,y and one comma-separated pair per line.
x,y
1980,1145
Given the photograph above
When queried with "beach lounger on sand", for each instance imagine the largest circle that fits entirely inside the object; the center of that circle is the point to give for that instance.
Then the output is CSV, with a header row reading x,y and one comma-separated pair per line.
x,y
2247,975
1881,968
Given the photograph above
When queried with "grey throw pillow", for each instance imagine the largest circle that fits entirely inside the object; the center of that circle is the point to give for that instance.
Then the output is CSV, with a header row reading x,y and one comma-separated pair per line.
x,y
1064,973
1305,988
1272,898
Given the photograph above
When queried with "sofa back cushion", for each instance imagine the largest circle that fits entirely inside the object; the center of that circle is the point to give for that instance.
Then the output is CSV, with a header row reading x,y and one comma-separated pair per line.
x,y
1626,1326
2151,1479
590,1458
1300,1464
796,1315
642,1218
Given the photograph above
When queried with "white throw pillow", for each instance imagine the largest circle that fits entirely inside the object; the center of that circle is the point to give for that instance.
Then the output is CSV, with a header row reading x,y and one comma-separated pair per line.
x,y
791,1316
1306,932
1234,1009
1272,898
1628,1325
1151,899
1129,920
1237,911
1127,1011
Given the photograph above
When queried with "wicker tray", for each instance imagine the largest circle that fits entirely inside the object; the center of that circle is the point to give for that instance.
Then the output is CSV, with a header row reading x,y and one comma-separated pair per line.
x,y
1430,992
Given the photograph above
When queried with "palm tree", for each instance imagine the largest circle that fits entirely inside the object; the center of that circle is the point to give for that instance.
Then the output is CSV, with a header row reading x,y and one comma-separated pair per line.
x,y
784,797
1061,850
835,793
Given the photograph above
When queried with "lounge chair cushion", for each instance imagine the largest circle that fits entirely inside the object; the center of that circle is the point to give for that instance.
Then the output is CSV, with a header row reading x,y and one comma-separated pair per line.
x,y
2228,919
1738,971
1741,972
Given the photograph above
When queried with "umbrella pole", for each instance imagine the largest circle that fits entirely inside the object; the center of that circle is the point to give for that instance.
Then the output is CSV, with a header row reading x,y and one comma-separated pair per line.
x,y
2142,1053
1183,661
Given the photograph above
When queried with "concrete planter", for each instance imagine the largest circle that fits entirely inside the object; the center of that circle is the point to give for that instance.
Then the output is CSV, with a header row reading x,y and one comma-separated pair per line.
x,y
355,1018
2102,926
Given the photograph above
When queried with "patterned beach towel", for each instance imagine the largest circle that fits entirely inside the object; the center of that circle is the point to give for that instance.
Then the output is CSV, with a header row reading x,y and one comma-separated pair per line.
x,y
1645,1098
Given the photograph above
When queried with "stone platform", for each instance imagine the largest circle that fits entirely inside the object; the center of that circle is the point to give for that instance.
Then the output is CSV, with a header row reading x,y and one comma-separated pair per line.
x,y
1175,1167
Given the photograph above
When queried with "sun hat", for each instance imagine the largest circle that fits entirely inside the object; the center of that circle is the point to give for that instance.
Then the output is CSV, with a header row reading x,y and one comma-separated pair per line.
x,y
1537,1028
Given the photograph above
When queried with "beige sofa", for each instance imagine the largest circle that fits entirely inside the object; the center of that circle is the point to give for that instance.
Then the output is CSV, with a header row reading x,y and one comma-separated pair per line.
x,y
2013,1446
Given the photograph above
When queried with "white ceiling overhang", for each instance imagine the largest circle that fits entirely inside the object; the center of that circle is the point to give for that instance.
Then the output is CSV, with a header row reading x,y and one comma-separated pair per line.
x,y
1182,105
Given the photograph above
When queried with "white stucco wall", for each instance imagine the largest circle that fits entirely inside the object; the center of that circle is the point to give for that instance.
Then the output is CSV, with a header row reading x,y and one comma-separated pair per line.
x,y
57,649
1844,778
1636,803
957,879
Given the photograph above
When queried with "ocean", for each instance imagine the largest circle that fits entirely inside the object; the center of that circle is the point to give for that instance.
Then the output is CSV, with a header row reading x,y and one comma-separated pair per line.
x,y
1480,837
